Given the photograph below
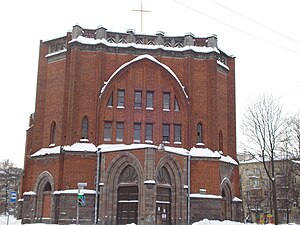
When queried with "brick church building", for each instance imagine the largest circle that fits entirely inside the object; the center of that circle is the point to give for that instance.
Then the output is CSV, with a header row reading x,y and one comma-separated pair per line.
x,y
141,128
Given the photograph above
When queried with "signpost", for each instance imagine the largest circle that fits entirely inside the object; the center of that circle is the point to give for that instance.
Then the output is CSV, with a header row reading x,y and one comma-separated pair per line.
x,y
80,199
13,197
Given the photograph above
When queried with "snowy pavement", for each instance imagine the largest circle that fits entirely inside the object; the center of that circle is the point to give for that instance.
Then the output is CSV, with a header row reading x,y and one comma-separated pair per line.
x,y
13,221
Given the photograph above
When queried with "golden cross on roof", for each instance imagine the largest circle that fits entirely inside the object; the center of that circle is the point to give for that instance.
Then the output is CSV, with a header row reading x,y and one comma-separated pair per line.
x,y
141,11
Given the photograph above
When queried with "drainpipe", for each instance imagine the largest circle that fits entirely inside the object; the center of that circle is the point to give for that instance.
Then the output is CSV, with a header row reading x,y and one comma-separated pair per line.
x,y
189,189
97,188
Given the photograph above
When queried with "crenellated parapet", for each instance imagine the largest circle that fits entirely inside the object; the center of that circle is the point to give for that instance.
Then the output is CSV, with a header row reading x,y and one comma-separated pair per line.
x,y
132,37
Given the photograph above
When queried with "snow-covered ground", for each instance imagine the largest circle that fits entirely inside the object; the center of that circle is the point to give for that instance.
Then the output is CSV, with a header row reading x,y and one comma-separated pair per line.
x,y
13,221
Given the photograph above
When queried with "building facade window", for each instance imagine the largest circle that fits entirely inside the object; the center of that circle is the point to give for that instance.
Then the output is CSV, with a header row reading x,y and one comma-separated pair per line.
x,y
199,133
149,100
110,101
121,99
85,128
166,133
166,101
138,99
137,132
120,131
149,132
176,105
53,133
177,133
107,131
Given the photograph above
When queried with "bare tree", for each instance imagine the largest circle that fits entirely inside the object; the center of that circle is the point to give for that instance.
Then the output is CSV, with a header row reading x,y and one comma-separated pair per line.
x,y
262,126
9,181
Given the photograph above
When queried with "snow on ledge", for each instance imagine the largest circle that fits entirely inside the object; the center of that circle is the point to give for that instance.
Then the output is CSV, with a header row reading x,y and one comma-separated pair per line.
x,y
29,193
91,41
74,191
236,199
149,182
90,147
205,196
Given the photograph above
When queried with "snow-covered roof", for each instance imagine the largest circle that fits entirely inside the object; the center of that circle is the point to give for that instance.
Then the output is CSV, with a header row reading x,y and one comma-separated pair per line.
x,y
92,41
90,147
74,191
151,58
76,147
204,153
47,151
205,196
228,159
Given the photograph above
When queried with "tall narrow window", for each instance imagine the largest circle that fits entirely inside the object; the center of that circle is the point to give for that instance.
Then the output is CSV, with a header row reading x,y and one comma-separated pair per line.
x,y
149,132
177,133
107,131
138,99
166,133
120,131
166,101
121,99
149,100
176,105
110,101
137,132
220,140
53,133
199,133
85,126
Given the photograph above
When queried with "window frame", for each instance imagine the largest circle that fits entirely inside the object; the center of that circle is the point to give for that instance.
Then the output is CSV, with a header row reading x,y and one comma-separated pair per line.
x,y
166,101
121,99
119,131
176,136
148,131
149,100
166,133
107,129
138,99
137,132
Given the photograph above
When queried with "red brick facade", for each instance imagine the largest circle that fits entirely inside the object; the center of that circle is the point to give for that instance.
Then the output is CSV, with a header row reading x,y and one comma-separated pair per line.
x,y
80,73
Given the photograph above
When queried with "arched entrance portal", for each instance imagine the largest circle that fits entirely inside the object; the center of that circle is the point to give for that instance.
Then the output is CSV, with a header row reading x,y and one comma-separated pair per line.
x,y
163,198
46,201
226,206
127,208
44,187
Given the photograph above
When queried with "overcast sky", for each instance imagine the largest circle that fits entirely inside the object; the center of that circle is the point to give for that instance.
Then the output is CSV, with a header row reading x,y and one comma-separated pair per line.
x,y
263,35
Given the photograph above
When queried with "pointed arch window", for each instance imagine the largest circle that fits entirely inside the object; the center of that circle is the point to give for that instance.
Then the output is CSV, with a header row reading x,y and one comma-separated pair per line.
x,y
53,133
85,128
199,133
176,105
220,140
110,101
